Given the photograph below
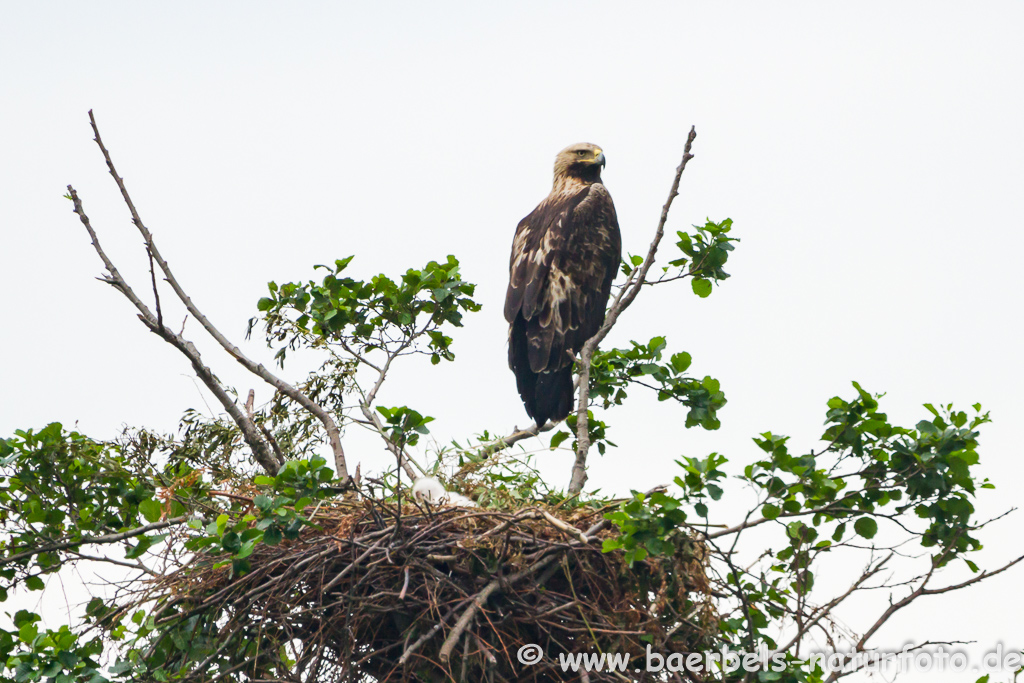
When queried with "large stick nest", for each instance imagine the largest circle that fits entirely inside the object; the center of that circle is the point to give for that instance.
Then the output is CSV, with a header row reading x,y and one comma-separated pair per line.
x,y
436,595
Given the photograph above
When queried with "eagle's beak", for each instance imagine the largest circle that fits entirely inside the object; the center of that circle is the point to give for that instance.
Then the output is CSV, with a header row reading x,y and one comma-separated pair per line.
x,y
599,159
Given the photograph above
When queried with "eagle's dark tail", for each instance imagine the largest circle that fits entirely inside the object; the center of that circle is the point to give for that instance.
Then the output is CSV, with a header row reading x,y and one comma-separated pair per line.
x,y
552,396
546,395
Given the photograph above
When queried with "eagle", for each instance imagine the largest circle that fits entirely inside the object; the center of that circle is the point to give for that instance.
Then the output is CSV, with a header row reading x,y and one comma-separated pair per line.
x,y
564,257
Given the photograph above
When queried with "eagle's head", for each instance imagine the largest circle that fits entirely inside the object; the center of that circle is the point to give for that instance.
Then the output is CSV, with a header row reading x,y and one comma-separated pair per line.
x,y
582,161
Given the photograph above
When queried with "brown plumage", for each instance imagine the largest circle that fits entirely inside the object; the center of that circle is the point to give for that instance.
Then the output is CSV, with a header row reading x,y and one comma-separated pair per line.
x,y
564,258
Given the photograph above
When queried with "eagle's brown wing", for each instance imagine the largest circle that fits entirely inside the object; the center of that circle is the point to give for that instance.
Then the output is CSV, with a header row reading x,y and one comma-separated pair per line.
x,y
564,258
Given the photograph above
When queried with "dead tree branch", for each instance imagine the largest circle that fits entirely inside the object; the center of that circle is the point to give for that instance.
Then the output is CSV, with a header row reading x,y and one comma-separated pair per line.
x,y
333,432
921,591
823,611
260,449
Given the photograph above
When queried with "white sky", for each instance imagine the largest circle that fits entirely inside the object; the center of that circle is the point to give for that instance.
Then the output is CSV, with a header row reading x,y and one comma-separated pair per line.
x,y
870,156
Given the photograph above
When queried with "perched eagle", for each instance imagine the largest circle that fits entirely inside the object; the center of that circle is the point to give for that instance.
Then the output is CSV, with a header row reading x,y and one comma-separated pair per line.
x,y
564,258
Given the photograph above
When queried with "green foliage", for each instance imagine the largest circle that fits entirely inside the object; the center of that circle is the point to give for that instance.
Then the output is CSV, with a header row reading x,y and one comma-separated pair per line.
x,y
701,480
597,430
60,656
58,488
870,471
61,492
405,425
925,469
612,371
705,251
58,491
207,443
276,513
504,482
652,524
647,525
379,313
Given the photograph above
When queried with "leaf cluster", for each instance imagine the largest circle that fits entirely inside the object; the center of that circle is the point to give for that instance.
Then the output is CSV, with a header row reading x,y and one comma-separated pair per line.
x,y
614,370
60,656
404,425
705,252
378,313
275,513
926,469
57,488
647,525
869,471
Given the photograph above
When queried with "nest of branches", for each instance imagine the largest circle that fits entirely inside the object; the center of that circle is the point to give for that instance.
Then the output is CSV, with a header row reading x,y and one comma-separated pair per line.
x,y
437,595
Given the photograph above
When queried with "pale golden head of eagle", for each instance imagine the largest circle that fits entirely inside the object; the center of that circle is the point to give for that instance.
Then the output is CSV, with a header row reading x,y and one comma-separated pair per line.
x,y
581,161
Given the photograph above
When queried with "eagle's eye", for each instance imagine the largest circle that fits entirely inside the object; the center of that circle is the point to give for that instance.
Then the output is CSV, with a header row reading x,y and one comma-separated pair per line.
x,y
581,152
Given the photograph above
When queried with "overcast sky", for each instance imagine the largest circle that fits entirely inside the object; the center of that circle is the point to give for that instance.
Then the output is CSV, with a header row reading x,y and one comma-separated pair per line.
x,y
869,154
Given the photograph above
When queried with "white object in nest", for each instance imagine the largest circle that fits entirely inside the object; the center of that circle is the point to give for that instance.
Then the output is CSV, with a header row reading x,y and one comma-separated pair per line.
x,y
430,490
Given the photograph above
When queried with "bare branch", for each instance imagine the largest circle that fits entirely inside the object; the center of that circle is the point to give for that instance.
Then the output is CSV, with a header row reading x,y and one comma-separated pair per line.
x,y
137,565
983,575
489,448
920,591
373,420
333,432
260,450
156,292
823,611
626,295
95,540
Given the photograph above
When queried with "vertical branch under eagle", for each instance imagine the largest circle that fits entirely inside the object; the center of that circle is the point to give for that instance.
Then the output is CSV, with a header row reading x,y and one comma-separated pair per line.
x,y
622,300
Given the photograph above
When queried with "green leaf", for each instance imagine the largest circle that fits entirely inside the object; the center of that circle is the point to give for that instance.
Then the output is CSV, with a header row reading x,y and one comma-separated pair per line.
x,y
866,527
558,438
701,287
681,362
34,583
246,550
152,510
231,542
273,535
771,511
28,633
